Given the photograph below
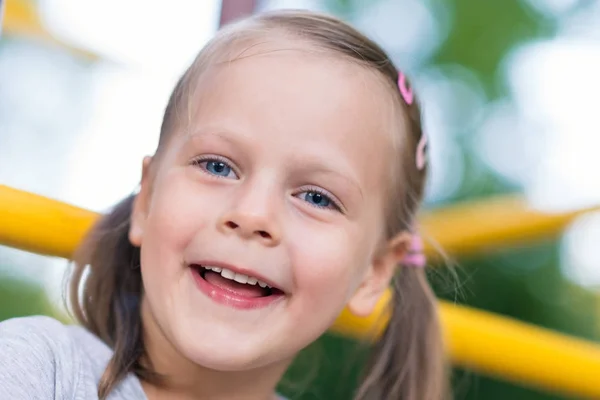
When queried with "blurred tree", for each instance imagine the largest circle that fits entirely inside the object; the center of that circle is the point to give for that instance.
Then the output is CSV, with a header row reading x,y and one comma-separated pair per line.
x,y
20,298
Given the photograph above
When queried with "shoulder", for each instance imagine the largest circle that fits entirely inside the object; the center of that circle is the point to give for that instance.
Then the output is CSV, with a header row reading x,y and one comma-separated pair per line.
x,y
43,338
37,337
45,359
37,326
39,358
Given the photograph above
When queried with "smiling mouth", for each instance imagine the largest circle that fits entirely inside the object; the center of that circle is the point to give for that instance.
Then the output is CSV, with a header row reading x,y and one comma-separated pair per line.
x,y
238,284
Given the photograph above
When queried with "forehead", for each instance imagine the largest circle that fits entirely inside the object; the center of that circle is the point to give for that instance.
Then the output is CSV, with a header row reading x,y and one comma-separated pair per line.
x,y
303,99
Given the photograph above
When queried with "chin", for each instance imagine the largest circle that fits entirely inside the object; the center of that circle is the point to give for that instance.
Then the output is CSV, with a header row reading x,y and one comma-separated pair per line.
x,y
232,348
219,355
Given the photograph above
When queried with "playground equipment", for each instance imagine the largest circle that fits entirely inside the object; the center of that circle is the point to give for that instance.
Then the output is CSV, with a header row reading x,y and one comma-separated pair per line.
x,y
477,340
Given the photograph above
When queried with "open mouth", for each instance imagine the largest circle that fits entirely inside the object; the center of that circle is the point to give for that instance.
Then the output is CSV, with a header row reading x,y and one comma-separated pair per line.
x,y
239,284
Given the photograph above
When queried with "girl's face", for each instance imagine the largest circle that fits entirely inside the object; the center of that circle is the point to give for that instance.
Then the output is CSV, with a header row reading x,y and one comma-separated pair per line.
x,y
263,218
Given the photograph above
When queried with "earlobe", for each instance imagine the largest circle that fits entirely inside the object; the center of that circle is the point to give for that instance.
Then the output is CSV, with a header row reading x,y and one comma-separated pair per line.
x,y
140,206
135,234
379,275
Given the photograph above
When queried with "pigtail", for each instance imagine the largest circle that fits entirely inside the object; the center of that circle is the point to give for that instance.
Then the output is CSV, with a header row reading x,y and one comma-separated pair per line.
x,y
110,303
407,362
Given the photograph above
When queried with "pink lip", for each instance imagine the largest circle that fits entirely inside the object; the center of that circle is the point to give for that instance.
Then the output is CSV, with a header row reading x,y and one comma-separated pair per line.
x,y
229,298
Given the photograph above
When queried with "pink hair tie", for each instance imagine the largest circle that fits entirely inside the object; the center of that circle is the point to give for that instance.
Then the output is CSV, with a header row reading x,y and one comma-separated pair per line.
x,y
415,256
405,90
407,95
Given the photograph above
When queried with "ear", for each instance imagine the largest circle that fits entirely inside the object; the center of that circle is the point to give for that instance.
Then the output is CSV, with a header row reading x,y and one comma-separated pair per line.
x,y
379,275
140,206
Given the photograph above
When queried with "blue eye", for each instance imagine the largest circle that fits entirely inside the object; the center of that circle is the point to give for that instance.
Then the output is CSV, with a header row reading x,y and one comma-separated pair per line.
x,y
318,199
217,167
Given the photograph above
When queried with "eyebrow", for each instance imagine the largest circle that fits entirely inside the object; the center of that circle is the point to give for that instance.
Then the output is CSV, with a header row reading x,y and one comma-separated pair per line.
x,y
218,133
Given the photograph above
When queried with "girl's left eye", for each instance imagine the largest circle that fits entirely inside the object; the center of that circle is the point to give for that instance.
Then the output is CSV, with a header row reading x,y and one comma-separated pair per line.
x,y
217,167
318,199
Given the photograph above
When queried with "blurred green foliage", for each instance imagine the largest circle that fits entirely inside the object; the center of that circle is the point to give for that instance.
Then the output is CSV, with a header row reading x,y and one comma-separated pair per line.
x,y
20,298
525,283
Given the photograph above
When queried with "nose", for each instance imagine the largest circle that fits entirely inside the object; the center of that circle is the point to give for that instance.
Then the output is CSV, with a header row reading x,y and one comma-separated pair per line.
x,y
252,217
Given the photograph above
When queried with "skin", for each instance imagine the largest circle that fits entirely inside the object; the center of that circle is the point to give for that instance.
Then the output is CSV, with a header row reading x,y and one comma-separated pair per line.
x,y
302,123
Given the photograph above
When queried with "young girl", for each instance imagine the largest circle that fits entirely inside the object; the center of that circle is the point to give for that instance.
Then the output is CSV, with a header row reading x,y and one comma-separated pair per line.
x,y
288,173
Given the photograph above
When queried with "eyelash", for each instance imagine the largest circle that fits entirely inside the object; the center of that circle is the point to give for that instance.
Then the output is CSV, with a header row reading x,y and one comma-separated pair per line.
x,y
205,159
334,203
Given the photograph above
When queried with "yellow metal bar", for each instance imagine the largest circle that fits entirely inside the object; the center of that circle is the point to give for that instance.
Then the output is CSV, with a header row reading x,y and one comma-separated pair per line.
x,y
503,347
491,223
481,341
21,19
348,324
40,225
521,353
478,226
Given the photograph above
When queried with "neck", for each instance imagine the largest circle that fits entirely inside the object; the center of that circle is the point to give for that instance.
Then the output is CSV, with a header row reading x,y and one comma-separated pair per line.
x,y
185,380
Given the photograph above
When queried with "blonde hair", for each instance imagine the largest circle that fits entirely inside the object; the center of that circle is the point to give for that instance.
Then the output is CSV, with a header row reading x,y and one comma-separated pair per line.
x,y
406,363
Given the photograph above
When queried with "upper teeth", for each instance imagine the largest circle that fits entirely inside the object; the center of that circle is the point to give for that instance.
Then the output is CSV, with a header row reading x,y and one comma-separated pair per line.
x,y
241,278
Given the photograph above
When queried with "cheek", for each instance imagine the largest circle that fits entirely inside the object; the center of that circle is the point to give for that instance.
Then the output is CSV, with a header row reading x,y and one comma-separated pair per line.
x,y
175,215
329,264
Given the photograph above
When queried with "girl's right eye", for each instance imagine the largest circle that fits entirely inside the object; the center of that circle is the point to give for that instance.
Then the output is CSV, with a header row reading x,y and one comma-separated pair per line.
x,y
216,167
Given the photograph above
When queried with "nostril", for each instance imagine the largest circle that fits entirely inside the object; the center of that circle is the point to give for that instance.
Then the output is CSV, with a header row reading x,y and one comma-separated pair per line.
x,y
264,234
231,224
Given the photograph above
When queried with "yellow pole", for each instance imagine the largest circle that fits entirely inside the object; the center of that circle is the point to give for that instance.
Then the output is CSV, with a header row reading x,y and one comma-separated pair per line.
x,y
483,225
478,340
40,225
502,347
477,226
521,353
21,19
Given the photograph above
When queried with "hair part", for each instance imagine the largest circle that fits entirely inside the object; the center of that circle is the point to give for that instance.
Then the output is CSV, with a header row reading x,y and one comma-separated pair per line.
x,y
407,362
